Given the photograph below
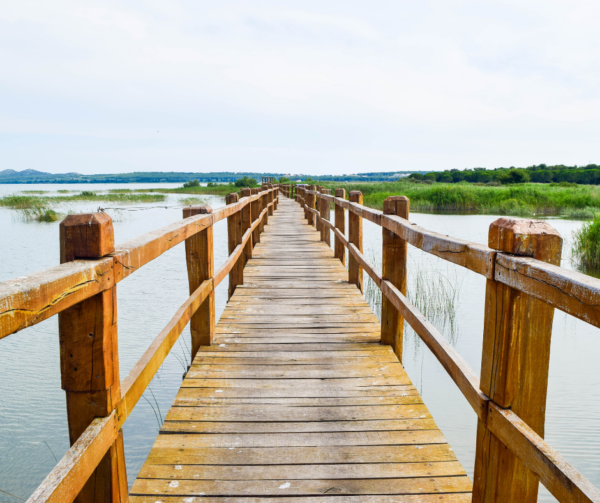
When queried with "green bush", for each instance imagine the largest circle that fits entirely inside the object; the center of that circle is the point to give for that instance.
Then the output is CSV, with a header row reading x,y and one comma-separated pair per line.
x,y
88,193
192,183
586,244
245,182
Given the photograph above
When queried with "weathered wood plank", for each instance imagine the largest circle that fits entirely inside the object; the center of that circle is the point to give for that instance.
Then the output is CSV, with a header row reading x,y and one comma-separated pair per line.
x,y
297,382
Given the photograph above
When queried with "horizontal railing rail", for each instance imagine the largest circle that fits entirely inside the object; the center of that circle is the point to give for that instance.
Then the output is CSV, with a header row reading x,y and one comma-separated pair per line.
x,y
76,288
525,289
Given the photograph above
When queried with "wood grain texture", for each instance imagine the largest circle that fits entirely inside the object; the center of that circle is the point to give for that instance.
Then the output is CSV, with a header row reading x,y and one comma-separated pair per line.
x,y
515,362
234,238
287,392
89,357
394,257
340,225
355,237
199,252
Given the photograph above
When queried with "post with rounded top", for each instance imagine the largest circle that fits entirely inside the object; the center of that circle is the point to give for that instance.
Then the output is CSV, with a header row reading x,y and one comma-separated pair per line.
x,y
310,202
514,367
256,209
339,250
394,257
234,234
325,214
355,272
201,266
89,356
247,219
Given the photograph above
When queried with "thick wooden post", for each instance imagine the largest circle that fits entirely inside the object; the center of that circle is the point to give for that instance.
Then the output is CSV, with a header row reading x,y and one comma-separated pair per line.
x,y
234,233
394,256
89,356
247,220
310,202
325,215
355,272
256,209
270,197
318,203
265,204
339,250
201,266
514,367
275,198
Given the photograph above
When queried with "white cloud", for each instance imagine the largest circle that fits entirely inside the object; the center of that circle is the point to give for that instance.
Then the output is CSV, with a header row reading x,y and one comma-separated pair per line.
x,y
266,84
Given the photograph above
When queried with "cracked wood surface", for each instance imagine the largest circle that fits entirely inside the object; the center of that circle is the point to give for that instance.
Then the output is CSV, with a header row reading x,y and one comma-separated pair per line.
x,y
296,400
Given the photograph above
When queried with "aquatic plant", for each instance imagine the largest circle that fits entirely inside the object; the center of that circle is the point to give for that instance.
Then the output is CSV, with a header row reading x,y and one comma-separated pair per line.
x,y
433,293
586,244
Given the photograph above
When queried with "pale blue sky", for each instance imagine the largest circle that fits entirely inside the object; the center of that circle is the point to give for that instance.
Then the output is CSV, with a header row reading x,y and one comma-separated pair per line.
x,y
297,86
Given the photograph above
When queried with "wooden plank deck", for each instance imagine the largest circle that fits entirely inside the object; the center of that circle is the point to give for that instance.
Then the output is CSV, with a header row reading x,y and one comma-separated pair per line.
x,y
297,400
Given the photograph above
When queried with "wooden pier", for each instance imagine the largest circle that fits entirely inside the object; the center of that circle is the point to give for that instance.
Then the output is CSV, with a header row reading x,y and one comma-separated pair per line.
x,y
298,393
296,397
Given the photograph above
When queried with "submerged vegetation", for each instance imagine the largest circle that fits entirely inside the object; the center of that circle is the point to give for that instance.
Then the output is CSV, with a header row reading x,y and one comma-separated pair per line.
x,y
30,202
586,245
433,293
41,208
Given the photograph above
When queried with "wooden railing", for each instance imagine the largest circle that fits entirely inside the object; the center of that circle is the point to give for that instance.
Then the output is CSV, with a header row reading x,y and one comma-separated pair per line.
x,y
82,291
287,190
524,284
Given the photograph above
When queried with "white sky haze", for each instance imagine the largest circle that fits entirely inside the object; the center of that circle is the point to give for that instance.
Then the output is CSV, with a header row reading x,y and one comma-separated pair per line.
x,y
325,87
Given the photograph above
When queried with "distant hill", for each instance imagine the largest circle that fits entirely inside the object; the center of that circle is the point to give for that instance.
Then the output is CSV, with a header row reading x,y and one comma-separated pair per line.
x,y
34,176
11,173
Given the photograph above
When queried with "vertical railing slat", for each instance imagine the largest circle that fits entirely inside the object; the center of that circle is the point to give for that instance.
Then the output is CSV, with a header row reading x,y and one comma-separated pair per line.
x,y
89,356
199,252
515,362
355,236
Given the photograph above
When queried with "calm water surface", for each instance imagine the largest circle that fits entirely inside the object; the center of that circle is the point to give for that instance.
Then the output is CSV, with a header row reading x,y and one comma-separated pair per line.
x,y
33,427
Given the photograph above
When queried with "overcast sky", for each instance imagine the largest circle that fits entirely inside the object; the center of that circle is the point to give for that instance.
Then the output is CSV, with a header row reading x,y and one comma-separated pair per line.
x,y
297,86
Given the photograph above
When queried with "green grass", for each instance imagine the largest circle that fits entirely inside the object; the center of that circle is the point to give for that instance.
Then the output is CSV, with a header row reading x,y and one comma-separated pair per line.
x,y
586,244
38,202
188,201
528,199
216,190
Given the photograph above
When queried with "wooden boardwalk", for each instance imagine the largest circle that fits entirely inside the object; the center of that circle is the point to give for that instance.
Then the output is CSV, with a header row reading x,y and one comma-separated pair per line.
x,y
297,400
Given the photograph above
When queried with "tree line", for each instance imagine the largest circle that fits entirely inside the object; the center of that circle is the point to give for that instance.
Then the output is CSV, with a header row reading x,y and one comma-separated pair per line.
x,y
585,175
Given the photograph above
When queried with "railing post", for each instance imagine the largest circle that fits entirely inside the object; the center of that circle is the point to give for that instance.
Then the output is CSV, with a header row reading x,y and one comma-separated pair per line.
x,y
256,210
275,199
234,234
325,215
514,368
394,256
355,272
201,266
318,206
89,356
270,197
310,202
339,250
265,204
247,219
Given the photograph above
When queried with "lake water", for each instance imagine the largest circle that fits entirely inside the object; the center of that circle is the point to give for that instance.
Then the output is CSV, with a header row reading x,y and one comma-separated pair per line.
x,y
33,427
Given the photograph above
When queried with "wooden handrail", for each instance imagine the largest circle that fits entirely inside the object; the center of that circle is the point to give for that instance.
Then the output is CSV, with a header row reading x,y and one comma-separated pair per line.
x,y
572,292
52,291
24,302
68,477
